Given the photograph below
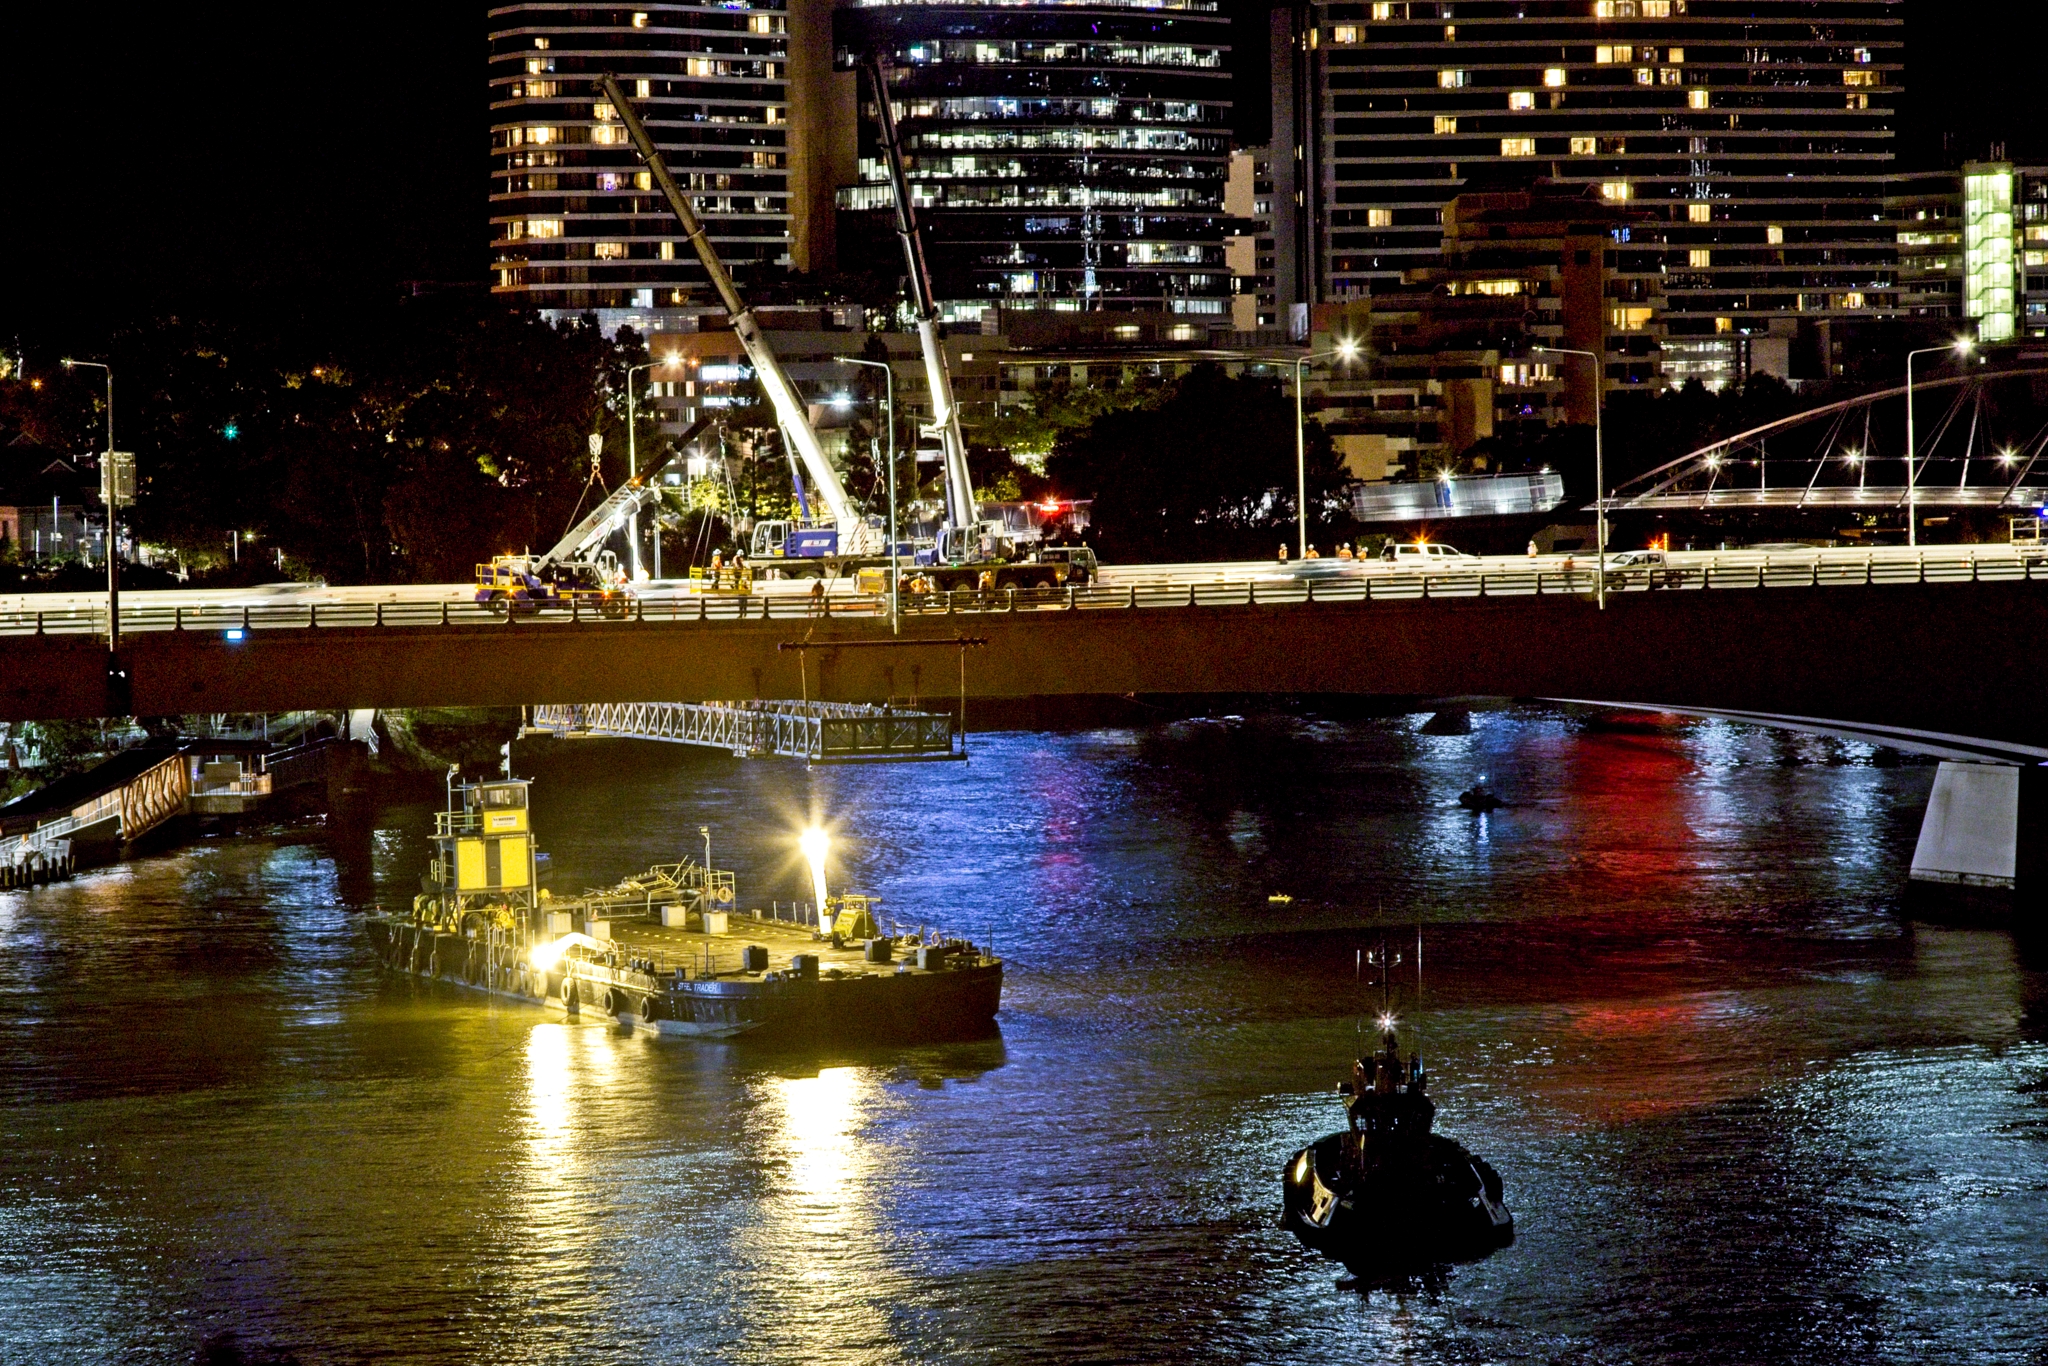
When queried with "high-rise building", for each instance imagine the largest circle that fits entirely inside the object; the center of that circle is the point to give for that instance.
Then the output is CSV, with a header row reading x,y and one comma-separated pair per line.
x,y
1973,249
577,224
1757,132
1062,155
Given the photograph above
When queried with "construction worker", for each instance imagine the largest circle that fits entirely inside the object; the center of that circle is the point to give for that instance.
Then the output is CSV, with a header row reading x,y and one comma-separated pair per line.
x,y
1283,552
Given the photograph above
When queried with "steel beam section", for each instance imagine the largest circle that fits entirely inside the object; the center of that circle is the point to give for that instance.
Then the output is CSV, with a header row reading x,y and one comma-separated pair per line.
x,y
818,731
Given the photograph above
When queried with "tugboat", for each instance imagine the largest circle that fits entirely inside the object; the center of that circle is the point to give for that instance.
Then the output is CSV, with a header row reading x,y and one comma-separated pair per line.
x,y
668,951
1386,1191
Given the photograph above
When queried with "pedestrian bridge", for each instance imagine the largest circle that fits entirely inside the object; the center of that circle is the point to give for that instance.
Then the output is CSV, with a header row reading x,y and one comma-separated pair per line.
x,y
1942,642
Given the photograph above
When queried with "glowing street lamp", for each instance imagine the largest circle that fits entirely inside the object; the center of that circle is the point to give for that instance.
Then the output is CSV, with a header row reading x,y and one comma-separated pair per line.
x,y
633,466
1961,346
1346,351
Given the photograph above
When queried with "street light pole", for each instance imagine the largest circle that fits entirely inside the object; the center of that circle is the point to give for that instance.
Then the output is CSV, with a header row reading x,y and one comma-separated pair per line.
x,y
889,403
1599,471
633,470
1346,350
106,488
1961,346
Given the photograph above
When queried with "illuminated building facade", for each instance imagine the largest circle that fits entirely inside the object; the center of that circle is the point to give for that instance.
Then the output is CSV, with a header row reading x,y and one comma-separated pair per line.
x,y
1757,133
1066,156
576,222
1973,248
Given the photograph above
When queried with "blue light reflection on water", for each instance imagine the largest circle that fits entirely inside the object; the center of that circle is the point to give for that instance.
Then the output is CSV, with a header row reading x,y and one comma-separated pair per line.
x,y
1746,1111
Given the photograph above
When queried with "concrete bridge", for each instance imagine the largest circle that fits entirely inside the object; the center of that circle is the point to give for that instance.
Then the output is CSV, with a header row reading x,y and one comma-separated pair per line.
x,y
1945,646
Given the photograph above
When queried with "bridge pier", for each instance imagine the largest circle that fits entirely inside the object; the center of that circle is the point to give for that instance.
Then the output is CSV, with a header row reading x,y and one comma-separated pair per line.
x,y
1982,841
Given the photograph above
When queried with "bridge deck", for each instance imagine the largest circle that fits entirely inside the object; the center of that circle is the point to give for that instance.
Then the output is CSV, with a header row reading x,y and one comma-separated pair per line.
x,y
822,732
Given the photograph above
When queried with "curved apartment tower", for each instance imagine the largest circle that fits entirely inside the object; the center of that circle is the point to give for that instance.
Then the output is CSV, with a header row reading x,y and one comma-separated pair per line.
x,y
576,222
1064,154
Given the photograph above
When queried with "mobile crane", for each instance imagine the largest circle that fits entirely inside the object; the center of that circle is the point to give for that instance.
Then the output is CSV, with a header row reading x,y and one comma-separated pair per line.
x,y
578,568
844,532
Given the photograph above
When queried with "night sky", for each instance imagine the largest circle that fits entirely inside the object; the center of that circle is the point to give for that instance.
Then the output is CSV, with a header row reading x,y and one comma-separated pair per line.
x,y
215,157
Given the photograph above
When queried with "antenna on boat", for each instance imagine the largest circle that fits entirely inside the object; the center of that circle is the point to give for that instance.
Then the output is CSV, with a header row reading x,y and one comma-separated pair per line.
x,y
1418,997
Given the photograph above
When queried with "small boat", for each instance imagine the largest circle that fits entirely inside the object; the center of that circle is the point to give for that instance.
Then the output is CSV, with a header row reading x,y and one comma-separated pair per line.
x,y
1386,1191
1479,797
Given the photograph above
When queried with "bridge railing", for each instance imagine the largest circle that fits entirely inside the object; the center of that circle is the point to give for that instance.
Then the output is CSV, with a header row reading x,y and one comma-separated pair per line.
x,y
1366,583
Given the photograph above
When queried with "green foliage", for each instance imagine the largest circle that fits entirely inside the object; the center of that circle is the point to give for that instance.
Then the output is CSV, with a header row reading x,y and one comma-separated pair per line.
x,y
1059,407
1209,472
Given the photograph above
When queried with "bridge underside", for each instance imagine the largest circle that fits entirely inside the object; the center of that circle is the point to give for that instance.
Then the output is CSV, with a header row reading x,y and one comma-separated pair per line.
x,y
1953,659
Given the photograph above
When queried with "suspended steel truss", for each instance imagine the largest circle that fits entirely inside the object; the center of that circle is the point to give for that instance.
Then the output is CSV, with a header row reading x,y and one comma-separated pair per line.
x,y
822,732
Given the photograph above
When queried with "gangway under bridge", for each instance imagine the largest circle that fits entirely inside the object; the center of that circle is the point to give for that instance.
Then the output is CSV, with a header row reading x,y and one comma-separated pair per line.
x,y
1978,443
820,732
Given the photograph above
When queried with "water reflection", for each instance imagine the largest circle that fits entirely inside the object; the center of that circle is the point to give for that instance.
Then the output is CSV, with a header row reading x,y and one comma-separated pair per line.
x,y
1745,1108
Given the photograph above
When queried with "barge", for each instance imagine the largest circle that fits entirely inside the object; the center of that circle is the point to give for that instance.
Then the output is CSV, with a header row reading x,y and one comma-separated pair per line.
x,y
666,951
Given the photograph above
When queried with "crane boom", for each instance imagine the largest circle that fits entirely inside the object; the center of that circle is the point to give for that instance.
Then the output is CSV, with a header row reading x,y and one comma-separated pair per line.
x,y
855,535
582,540
961,510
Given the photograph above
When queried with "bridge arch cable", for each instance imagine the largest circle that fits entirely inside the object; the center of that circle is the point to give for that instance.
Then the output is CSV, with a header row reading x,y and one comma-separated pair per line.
x,y
1706,476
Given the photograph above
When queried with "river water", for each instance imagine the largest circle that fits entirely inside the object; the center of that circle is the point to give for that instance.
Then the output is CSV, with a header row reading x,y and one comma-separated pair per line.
x,y
1746,1109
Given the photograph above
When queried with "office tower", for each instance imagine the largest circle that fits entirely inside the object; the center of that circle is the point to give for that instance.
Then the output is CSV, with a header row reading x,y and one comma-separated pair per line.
x,y
1757,133
1063,156
577,224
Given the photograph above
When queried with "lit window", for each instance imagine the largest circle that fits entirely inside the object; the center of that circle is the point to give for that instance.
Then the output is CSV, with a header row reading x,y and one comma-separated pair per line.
x,y
610,180
1616,190
1859,78
1699,213
1660,9
1446,123
1631,318
1521,99
643,180
608,135
1604,54
608,251
1645,76
1344,33
1853,299
1699,258
1449,80
1859,101
667,251
1863,55
541,44
540,137
1674,55
1670,75
1584,147
639,18
642,89
761,23
1379,218
1724,324
540,90
700,66
775,114
1498,289
1553,76
1518,147
603,110
1697,99
1178,332
1774,235
537,65
543,227
1383,10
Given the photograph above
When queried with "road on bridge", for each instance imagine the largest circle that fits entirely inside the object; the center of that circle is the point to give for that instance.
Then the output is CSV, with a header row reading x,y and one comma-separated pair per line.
x,y
1938,640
